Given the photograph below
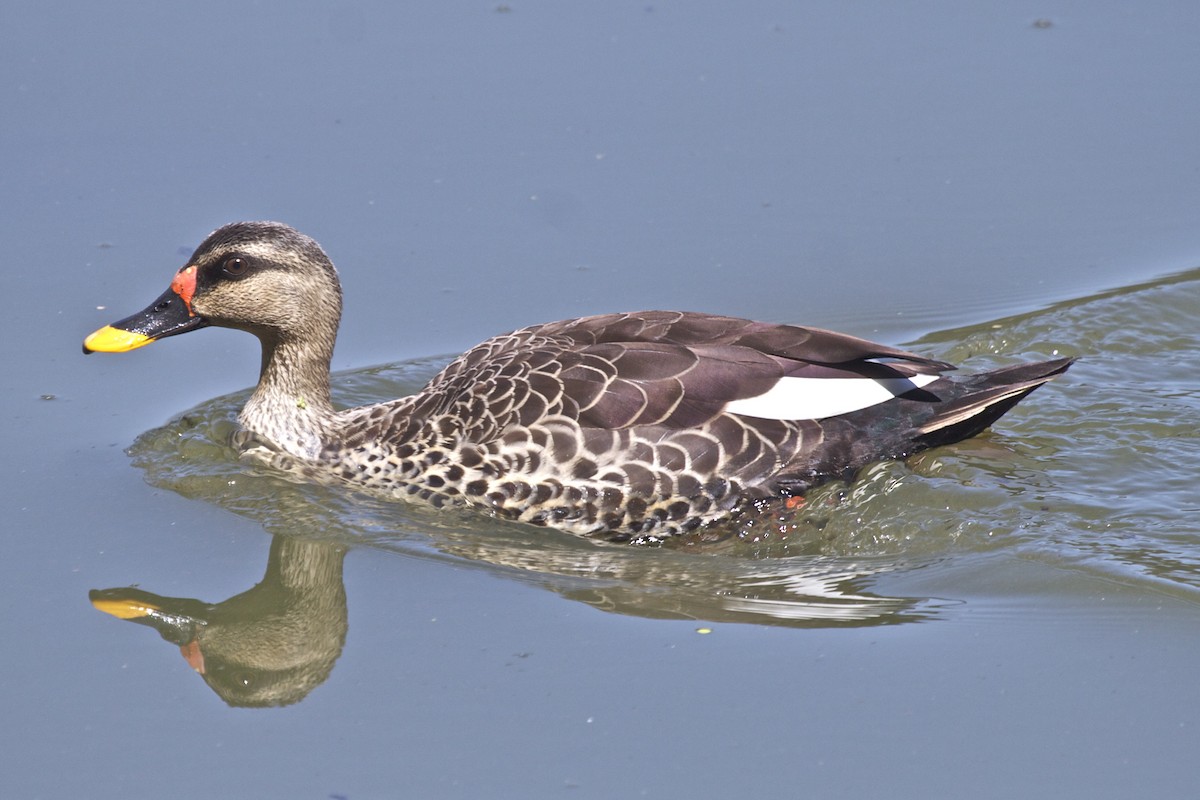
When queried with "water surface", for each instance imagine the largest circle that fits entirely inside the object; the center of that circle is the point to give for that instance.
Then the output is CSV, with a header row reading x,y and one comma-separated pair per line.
x,y
1013,616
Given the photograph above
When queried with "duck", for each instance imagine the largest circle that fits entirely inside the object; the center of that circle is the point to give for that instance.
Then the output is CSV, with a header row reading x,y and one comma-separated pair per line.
x,y
628,426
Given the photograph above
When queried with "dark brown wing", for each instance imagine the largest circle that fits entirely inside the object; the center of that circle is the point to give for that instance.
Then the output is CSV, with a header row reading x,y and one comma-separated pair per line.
x,y
672,369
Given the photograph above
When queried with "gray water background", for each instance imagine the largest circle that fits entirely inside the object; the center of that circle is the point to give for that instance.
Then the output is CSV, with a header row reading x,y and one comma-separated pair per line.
x,y
1019,179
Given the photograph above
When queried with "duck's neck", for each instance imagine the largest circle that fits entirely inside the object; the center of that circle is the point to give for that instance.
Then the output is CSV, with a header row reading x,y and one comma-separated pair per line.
x,y
291,405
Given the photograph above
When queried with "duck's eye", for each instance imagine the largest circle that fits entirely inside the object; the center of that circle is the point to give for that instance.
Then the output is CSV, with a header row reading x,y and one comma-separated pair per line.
x,y
235,267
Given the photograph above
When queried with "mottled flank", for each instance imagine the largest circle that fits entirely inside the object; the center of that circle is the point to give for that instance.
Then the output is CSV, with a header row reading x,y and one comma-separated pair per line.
x,y
633,426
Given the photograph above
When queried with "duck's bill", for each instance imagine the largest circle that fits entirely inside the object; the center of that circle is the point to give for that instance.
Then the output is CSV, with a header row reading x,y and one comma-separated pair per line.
x,y
169,315
123,607
175,618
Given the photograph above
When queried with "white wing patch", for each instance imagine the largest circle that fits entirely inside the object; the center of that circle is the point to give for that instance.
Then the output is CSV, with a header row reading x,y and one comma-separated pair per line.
x,y
818,398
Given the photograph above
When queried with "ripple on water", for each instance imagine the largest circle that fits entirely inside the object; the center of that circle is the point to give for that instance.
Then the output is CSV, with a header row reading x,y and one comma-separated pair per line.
x,y
1094,474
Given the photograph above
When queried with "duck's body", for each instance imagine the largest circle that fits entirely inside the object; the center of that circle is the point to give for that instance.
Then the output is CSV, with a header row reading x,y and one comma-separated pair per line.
x,y
632,425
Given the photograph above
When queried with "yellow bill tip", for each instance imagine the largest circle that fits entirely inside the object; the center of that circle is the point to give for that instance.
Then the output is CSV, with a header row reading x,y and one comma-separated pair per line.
x,y
124,609
114,340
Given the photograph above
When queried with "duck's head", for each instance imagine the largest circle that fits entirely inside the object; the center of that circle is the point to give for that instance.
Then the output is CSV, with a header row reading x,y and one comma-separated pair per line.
x,y
263,277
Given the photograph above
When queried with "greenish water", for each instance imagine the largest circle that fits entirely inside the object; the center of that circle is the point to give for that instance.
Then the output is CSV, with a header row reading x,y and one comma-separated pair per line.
x,y
1095,472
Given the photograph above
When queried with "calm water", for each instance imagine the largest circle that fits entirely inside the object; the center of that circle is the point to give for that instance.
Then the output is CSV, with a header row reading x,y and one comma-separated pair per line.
x,y
1013,616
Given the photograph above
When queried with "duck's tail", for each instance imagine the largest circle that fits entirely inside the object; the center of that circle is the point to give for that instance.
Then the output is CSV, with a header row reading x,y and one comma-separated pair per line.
x,y
984,398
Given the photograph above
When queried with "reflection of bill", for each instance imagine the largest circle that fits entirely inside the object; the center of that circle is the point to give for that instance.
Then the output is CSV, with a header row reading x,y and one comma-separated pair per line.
x,y
268,646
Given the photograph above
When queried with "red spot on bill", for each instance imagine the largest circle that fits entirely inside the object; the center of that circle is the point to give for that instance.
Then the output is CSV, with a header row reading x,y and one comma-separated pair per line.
x,y
184,285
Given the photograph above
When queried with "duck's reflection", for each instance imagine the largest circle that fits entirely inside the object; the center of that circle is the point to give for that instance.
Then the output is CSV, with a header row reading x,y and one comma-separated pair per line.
x,y
703,585
268,646
272,644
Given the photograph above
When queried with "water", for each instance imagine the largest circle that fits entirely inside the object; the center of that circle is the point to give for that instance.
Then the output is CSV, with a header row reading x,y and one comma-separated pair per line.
x,y
1013,616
